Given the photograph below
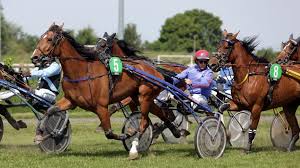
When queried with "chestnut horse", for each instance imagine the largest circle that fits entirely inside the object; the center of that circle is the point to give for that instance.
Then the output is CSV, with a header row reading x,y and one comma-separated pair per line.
x,y
122,49
290,51
86,82
251,84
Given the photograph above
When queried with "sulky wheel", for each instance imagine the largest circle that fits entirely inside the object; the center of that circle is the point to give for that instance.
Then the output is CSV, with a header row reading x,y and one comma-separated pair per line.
x,y
238,128
1,129
210,138
280,132
56,141
182,123
131,126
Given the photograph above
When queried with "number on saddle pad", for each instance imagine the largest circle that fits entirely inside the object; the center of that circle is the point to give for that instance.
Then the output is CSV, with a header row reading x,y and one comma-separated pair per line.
x,y
115,66
275,72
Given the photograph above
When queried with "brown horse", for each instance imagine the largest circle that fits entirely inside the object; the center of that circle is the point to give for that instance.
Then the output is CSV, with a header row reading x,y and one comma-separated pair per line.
x,y
290,51
122,49
86,82
251,84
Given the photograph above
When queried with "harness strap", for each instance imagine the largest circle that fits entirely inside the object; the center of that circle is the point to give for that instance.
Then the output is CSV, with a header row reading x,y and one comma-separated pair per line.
x,y
244,80
83,78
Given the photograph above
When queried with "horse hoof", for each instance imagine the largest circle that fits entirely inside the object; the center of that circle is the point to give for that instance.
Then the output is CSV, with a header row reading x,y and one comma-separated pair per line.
x,y
184,132
21,124
133,156
248,148
38,139
292,145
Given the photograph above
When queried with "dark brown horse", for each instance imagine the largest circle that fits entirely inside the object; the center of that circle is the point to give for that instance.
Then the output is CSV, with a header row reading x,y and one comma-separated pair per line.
x,y
7,73
86,82
251,84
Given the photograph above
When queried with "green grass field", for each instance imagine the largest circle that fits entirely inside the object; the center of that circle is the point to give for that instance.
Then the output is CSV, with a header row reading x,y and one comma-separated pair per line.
x,y
91,149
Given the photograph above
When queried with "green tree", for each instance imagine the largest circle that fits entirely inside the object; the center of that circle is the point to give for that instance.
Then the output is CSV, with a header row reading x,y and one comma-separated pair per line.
x,y
86,36
14,42
181,31
131,36
268,53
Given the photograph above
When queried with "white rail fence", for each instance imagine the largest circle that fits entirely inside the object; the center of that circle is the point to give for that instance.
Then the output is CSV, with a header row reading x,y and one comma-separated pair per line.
x,y
23,67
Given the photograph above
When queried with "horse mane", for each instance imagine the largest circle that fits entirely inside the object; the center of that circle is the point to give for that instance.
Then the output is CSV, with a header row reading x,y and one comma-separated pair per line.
x,y
249,43
85,52
131,52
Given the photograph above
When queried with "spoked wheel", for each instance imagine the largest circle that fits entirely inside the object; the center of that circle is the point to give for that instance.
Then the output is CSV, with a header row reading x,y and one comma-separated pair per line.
x,y
131,126
281,133
57,132
182,123
238,128
1,129
210,138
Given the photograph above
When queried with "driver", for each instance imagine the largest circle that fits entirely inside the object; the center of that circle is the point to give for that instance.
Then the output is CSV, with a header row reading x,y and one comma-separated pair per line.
x,y
199,77
48,73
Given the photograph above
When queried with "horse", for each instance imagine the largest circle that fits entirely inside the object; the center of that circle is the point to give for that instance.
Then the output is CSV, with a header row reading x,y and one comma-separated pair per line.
x,y
122,49
251,84
86,83
290,51
9,74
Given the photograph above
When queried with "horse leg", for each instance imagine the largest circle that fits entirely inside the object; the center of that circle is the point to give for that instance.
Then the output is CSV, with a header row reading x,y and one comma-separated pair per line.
x,y
255,116
167,117
145,104
289,111
233,106
15,124
104,117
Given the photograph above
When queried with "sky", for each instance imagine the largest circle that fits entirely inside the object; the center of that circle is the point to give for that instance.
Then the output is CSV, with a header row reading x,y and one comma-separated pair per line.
x,y
272,20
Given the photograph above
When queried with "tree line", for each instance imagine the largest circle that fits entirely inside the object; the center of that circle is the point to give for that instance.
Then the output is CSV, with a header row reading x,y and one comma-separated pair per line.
x,y
184,32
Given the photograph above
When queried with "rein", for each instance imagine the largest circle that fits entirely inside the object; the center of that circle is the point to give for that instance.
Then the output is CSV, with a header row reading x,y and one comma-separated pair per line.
x,y
86,78
83,78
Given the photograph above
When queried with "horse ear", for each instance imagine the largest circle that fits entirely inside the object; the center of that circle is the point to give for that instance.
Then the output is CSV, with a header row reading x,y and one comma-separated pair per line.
x,y
113,35
236,34
225,33
282,45
61,26
291,36
105,35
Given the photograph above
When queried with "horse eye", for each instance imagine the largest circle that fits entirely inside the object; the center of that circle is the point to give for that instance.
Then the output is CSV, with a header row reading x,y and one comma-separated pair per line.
x,y
50,39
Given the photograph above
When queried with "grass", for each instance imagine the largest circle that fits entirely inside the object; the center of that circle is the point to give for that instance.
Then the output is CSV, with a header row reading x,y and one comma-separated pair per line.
x,y
91,149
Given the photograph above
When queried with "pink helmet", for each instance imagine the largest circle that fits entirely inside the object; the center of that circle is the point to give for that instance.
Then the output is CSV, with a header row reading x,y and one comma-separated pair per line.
x,y
201,55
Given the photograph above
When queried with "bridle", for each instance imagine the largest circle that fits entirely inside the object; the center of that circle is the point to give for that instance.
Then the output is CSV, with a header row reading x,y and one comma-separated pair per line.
x,y
56,41
289,53
223,56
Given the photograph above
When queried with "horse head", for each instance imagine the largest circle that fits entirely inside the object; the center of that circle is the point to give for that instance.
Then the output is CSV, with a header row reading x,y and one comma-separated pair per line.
x,y
108,44
48,43
224,51
289,50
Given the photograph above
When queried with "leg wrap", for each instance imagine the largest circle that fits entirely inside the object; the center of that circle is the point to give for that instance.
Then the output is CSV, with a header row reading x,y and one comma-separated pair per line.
x,y
252,134
109,134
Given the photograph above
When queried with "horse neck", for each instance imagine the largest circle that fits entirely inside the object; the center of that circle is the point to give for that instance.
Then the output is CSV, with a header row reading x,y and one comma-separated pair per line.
x,y
117,51
241,63
296,55
73,64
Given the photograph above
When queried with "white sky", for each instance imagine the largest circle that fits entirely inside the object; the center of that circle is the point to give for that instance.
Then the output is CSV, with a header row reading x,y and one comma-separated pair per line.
x,y
272,20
